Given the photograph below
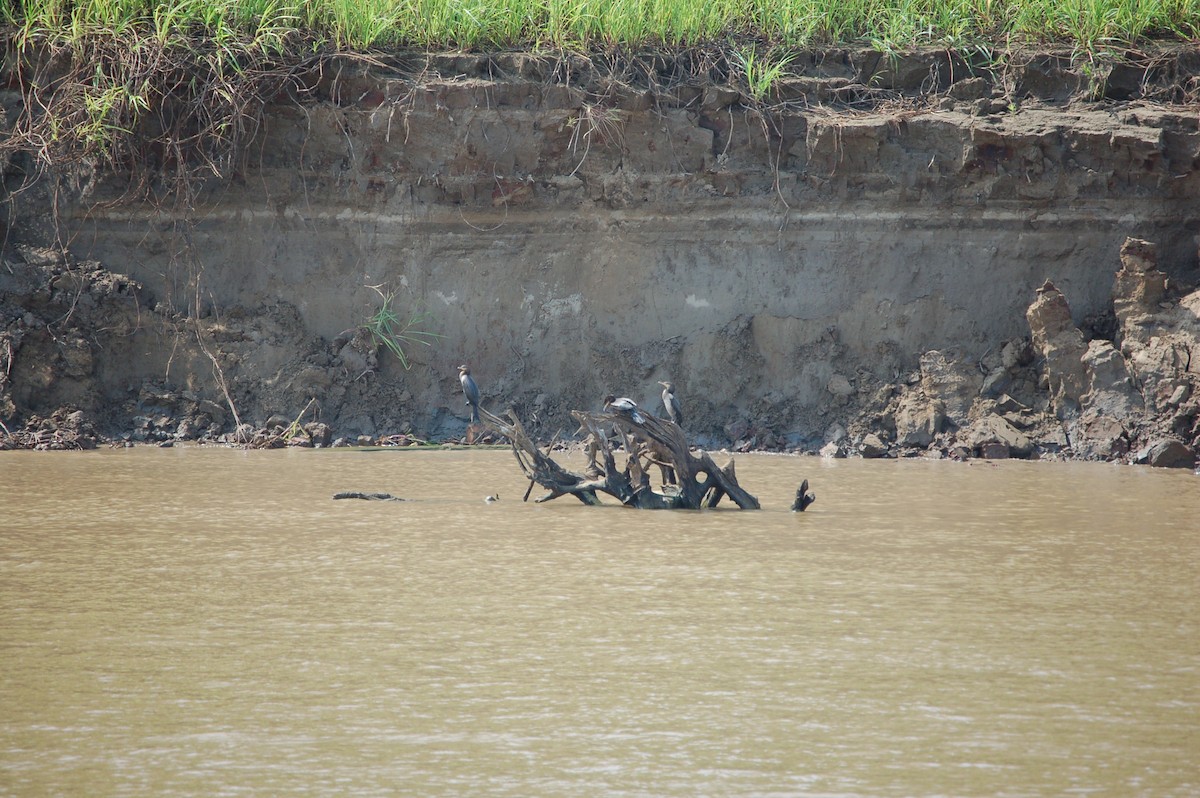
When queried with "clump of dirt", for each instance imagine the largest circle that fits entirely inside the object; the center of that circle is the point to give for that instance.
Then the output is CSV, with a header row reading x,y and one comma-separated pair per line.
x,y
64,429
87,356
63,326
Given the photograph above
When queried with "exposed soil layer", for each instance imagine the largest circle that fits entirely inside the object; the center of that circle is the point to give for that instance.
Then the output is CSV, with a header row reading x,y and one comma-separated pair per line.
x,y
854,264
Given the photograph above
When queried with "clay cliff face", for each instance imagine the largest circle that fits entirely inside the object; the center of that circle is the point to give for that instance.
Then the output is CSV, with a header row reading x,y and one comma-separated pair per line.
x,y
788,266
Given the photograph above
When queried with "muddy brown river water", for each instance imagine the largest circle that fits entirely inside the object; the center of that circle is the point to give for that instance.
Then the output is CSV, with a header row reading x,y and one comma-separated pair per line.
x,y
186,622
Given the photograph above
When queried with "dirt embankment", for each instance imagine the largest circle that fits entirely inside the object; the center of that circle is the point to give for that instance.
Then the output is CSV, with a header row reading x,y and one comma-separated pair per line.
x,y
854,265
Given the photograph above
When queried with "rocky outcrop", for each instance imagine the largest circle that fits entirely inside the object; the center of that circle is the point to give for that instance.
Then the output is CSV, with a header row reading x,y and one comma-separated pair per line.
x,y
1135,392
1061,345
1160,343
1131,399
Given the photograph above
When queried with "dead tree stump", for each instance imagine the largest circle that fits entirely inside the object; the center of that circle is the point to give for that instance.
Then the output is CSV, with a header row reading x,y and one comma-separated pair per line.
x,y
648,441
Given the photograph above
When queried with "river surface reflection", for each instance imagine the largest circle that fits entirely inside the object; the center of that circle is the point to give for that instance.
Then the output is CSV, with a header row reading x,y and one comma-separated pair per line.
x,y
210,622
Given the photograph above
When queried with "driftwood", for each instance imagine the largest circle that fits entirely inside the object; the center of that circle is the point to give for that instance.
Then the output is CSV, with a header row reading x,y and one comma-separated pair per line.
x,y
376,497
690,481
804,497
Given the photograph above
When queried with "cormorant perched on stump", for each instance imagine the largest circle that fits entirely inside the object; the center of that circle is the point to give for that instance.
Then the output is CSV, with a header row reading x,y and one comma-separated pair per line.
x,y
624,405
471,391
671,403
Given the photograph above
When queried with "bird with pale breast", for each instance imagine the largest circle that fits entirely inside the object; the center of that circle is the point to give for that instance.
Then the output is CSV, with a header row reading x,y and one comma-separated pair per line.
x,y
671,403
470,390
625,405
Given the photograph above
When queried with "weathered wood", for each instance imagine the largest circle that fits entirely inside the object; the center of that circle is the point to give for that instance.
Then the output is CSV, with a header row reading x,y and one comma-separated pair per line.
x,y
804,497
537,465
378,497
648,442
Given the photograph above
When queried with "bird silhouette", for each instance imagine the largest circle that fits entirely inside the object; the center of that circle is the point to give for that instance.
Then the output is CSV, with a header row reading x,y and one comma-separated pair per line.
x,y
470,390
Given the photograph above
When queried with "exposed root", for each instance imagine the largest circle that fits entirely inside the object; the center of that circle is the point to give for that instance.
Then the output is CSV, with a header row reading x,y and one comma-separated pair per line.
x,y
167,112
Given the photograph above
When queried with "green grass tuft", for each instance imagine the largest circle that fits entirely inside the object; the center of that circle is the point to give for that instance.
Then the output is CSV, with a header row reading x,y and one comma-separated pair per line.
x,y
395,332
760,72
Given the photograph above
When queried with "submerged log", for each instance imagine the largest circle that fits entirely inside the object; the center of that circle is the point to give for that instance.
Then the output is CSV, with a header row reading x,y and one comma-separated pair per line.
x,y
691,481
376,497
804,497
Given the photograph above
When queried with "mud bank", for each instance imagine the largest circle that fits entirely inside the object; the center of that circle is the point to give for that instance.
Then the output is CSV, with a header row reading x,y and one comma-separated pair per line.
x,y
855,265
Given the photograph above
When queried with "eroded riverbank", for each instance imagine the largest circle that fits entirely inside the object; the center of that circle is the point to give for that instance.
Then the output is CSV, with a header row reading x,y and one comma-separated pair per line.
x,y
856,266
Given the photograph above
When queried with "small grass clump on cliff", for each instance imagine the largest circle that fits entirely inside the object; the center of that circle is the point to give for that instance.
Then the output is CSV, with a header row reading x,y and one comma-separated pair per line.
x,y
389,329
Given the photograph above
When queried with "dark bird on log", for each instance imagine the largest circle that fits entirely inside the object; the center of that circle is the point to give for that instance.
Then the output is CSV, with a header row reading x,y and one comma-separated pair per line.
x,y
803,498
624,405
471,391
671,403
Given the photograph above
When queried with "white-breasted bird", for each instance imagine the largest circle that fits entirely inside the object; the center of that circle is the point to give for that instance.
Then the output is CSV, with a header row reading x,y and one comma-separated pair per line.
x,y
470,390
624,404
671,403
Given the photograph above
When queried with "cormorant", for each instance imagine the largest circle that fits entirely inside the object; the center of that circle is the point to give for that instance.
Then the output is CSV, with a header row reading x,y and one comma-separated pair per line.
x,y
671,403
471,391
624,405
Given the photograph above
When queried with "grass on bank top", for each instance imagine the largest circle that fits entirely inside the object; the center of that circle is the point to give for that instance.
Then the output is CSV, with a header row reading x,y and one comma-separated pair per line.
x,y
170,91
1086,25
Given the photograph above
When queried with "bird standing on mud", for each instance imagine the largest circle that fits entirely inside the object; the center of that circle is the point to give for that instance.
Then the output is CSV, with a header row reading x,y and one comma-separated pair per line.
x,y
471,391
671,403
